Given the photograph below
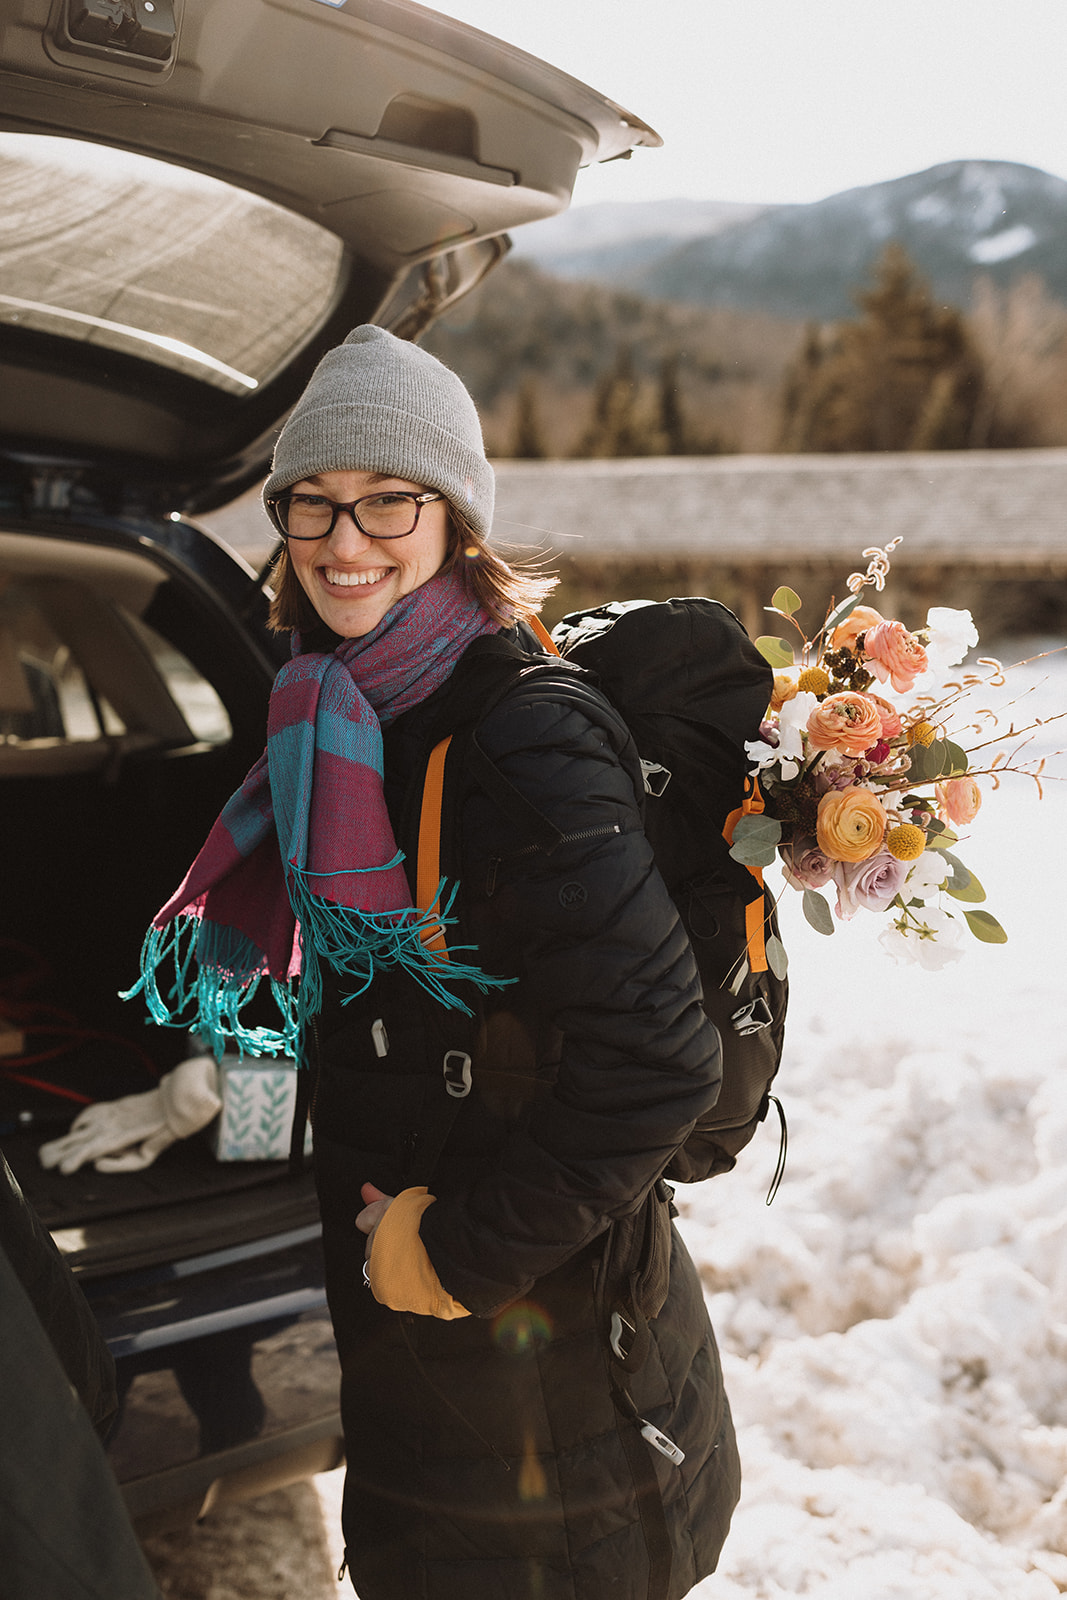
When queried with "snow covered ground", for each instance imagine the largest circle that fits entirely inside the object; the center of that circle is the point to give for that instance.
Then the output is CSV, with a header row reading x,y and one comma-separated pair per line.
x,y
894,1326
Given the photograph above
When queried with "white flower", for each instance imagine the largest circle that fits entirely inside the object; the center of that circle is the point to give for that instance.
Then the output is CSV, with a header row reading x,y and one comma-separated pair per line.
x,y
761,754
926,876
927,935
792,719
952,634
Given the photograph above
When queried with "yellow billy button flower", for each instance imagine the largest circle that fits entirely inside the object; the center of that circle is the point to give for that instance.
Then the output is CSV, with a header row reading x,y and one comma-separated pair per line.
x,y
906,842
921,733
813,680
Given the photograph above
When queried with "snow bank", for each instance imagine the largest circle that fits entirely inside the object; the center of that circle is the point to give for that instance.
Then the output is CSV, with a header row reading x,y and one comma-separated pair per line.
x,y
894,1326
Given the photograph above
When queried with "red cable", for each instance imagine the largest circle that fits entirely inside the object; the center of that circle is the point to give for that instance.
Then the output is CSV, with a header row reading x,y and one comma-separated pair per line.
x,y
49,1088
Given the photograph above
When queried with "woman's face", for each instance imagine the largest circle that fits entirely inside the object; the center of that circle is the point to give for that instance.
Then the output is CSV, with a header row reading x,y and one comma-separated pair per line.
x,y
353,580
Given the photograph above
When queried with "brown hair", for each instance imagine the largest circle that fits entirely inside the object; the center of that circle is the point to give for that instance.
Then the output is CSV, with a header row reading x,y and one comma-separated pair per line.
x,y
508,591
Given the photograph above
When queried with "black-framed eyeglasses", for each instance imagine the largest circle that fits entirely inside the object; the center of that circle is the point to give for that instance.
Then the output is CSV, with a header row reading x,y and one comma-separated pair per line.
x,y
391,514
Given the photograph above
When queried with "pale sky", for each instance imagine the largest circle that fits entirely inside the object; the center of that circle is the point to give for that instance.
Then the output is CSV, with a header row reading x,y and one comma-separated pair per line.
x,y
792,100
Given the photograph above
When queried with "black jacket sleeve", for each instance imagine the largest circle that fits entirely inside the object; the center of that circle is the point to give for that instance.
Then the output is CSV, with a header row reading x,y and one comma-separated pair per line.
x,y
601,956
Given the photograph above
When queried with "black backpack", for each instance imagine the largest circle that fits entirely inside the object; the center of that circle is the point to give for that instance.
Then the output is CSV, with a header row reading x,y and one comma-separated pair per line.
x,y
691,687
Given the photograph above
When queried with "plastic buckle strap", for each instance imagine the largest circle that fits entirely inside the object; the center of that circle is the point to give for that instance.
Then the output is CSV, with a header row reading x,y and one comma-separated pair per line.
x,y
457,1070
656,777
755,910
752,1017
659,1441
649,1495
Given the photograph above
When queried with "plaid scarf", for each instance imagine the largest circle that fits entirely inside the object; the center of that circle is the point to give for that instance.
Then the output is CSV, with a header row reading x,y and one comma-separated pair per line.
x,y
302,861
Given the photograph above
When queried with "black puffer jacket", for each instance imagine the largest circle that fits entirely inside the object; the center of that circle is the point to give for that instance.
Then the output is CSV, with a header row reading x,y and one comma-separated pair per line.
x,y
486,1456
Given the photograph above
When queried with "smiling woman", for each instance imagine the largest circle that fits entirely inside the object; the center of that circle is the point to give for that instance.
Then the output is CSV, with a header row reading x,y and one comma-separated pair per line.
x,y
492,1114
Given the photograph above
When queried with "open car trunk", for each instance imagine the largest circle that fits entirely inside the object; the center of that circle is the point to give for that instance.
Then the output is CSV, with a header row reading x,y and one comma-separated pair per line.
x,y
131,706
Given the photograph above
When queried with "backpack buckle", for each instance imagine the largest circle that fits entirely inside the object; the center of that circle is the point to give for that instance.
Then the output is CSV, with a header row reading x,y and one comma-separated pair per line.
x,y
659,1441
457,1070
751,1018
656,777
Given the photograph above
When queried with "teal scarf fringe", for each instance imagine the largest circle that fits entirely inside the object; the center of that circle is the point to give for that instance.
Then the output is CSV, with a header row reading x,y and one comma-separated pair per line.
x,y
209,975
212,973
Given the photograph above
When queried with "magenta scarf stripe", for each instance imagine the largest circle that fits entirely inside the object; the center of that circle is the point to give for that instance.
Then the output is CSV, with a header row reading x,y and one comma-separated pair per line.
x,y
302,865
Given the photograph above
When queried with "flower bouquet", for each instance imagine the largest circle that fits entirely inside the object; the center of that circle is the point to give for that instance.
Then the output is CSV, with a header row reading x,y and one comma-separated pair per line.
x,y
866,777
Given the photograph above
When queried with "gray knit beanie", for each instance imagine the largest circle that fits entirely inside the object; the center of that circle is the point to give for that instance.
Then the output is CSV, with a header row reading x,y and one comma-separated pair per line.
x,y
379,404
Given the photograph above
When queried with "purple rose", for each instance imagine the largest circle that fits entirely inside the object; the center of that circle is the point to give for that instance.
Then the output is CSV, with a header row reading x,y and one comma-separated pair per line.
x,y
805,865
869,884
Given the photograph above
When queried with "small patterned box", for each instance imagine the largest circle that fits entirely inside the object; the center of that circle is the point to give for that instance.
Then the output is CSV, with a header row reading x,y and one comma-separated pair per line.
x,y
258,1100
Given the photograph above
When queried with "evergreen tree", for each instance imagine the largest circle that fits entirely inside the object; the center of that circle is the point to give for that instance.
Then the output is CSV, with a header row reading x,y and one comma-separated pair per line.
x,y
671,418
619,424
801,386
903,376
528,443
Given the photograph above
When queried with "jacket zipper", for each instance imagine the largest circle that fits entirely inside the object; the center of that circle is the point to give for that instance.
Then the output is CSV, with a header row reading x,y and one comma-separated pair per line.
x,y
496,862
314,1069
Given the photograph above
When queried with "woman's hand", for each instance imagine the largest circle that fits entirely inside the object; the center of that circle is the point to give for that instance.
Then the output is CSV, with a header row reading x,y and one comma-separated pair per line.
x,y
376,1204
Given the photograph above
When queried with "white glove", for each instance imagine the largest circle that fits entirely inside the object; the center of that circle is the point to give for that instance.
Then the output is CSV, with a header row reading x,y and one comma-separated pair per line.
x,y
127,1135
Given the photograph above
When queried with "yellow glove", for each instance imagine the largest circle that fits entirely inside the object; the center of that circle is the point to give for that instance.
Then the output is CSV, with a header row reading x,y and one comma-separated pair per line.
x,y
399,1269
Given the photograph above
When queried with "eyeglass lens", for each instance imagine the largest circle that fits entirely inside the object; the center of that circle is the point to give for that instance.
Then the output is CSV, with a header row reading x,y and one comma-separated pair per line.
x,y
381,516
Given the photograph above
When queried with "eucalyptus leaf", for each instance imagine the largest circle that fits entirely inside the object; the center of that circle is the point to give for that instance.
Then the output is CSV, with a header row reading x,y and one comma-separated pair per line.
x,y
755,841
985,927
839,613
928,762
785,600
971,893
776,652
919,764
963,885
957,761
777,959
817,912
960,875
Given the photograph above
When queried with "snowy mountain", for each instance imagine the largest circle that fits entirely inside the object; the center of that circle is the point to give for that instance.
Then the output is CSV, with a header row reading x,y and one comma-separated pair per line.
x,y
955,220
602,240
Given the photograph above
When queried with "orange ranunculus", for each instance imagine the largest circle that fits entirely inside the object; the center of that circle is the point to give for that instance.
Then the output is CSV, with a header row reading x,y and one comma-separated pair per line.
x,y
958,800
850,825
896,654
891,723
858,621
848,722
785,688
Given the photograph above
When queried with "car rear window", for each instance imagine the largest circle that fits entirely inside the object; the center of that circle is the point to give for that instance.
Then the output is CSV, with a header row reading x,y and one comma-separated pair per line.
x,y
170,265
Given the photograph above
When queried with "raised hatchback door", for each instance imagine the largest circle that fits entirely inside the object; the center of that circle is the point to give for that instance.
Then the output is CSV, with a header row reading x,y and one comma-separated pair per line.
x,y
276,172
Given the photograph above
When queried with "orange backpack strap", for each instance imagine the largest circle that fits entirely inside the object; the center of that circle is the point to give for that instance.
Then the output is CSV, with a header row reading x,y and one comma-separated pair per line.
x,y
537,626
755,914
428,860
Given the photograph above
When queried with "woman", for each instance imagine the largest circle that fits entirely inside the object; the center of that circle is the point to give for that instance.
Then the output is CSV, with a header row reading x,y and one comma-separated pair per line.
x,y
493,1438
